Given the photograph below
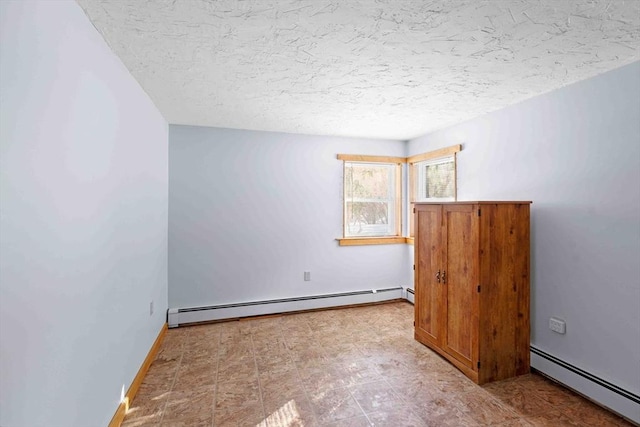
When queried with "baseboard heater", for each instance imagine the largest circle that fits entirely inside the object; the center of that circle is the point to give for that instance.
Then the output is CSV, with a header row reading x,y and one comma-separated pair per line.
x,y
181,316
411,295
600,390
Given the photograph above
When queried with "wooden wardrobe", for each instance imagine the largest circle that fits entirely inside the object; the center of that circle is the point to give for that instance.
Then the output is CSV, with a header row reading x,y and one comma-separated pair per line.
x,y
472,285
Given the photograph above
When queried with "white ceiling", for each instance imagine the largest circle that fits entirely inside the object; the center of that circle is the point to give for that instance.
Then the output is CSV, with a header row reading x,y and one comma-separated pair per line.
x,y
367,68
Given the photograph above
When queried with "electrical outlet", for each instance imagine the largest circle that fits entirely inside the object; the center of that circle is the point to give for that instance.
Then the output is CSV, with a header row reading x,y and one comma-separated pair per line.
x,y
307,276
151,308
557,325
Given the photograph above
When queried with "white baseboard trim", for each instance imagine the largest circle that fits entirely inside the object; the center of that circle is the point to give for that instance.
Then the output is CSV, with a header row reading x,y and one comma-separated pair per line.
x,y
599,390
180,316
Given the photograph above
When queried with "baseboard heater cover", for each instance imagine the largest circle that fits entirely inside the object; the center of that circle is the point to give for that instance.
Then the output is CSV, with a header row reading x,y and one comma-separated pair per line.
x,y
411,295
180,316
619,400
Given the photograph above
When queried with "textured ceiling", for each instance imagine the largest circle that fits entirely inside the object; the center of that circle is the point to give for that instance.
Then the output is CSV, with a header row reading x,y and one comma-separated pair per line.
x,y
368,68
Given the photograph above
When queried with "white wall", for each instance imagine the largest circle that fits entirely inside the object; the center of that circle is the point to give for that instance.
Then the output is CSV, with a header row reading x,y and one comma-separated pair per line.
x,y
575,153
83,219
250,211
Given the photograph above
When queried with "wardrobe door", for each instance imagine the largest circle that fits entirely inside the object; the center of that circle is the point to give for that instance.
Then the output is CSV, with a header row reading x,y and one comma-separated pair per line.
x,y
428,282
460,282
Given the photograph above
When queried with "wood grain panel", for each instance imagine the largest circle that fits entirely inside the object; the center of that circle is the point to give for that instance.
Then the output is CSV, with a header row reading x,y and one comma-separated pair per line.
x,y
498,298
504,322
480,322
461,266
371,159
522,279
361,241
436,154
428,258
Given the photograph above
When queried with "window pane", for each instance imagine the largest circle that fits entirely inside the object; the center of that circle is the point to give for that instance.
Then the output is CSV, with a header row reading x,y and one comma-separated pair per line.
x,y
369,194
368,181
368,218
436,180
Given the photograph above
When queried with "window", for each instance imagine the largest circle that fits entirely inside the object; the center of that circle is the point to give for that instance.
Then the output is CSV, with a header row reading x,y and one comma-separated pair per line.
x,y
436,180
432,178
372,195
372,207
369,199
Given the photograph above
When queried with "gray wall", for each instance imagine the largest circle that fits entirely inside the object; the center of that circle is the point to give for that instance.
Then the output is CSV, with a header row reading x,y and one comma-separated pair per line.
x,y
83,219
249,212
575,153
83,216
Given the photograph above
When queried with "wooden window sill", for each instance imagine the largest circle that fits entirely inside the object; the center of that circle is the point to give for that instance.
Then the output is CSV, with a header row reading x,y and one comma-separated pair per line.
x,y
360,241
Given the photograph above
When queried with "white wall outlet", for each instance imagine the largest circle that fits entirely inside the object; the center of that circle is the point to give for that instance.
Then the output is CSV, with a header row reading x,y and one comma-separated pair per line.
x,y
151,308
557,325
307,276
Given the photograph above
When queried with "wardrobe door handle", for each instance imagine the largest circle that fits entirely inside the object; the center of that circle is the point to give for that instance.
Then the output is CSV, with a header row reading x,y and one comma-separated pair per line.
x,y
438,276
444,276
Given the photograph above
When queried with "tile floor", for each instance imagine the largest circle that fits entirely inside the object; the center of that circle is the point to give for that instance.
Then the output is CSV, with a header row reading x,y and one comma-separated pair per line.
x,y
349,367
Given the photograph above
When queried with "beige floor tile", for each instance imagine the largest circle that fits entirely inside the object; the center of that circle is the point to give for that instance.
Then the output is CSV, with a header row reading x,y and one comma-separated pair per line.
x,y
550,392
278,375
150,395
199,359
178,397
550,419
527,404
145,412
247,413
396,417
170,353
231,353
375,397
149,420
516,422
351,422
391,366
275,364
443,412
585,413
289,410
311,361
270,345
322,379
243,369
235,394
304,353
161,373
453,383
358,371
341,350
195,375
334,405
277,394
347,367
481,407
195,410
